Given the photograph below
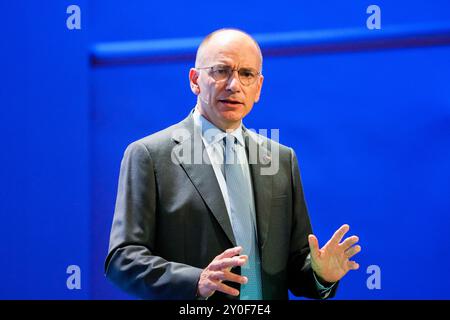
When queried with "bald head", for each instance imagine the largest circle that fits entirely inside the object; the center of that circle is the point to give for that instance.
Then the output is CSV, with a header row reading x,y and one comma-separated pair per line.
x,y
223,39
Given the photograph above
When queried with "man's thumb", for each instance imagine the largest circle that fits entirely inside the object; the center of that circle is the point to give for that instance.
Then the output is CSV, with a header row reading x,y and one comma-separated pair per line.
x,y
313,245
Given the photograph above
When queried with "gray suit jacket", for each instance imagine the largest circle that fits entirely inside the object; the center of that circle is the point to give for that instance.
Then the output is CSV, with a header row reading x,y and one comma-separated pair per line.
x,y
171,221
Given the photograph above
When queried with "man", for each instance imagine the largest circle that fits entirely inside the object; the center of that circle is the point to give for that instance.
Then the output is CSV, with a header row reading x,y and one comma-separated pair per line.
x,y
219,228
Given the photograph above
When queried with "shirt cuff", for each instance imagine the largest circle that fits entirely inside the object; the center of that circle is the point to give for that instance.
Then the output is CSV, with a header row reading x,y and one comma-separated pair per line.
x,y
324,290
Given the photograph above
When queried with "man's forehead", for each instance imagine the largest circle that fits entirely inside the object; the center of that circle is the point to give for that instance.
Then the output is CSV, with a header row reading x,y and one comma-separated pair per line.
x,y
225,54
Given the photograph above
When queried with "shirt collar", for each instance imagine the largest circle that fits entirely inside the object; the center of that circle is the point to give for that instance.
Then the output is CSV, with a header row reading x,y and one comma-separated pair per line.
x,y
211,133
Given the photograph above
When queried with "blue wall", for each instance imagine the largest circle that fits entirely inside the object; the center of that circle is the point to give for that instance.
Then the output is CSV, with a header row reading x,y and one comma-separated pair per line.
x,y
368,113
45,152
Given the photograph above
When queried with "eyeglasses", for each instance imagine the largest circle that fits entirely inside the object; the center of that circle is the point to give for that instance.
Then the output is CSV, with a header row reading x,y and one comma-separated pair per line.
x,y
247,76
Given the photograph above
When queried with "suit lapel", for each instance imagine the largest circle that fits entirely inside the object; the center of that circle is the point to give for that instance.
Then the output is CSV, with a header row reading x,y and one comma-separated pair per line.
x,y
202,174
259,157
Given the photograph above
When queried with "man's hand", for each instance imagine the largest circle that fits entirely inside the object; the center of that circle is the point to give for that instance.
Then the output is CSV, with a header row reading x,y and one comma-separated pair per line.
x,y
219,270
331,262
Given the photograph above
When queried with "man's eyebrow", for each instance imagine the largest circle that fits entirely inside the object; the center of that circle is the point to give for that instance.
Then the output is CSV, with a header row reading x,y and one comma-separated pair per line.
x,y
248,68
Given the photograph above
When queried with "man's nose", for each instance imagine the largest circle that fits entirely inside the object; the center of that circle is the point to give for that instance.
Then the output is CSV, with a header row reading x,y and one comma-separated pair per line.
x,y
233,83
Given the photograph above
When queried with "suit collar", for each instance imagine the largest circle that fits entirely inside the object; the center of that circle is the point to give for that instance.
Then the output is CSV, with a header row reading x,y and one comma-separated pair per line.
x,y
201,173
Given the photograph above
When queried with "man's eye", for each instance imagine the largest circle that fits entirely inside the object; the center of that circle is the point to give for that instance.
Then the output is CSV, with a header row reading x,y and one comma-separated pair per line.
x,y
221,71
247,74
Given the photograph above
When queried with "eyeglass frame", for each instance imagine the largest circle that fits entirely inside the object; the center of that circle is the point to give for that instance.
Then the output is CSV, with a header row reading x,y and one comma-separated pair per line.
x,y
258,73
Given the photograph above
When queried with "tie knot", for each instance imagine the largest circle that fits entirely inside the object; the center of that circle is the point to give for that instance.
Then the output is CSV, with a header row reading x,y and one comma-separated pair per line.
x,y
229,140
230,149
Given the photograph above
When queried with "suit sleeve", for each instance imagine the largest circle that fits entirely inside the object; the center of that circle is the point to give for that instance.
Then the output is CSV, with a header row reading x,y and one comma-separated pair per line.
x,y
301,279
131,263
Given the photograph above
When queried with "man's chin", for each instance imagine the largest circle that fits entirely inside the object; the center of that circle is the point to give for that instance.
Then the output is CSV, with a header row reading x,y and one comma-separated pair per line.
x,y
232,116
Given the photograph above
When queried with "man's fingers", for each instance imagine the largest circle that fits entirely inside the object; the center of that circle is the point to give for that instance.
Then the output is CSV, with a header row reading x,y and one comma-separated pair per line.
x,y
349,242
339,234
219,286
352,265
226,263
228,276
230,253
352,251
313,245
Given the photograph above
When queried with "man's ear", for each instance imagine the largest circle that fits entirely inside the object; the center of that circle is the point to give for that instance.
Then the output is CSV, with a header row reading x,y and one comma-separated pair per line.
x,y
193,79
258,92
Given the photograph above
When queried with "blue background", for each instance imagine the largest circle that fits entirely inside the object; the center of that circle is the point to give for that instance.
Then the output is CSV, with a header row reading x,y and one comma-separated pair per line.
x,y
367,112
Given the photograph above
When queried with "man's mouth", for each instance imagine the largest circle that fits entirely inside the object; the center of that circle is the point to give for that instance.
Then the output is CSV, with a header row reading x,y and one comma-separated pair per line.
x,y
228,101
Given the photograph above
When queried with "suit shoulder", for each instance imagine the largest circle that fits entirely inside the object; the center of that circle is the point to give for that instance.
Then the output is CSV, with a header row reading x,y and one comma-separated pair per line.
x,y
157,141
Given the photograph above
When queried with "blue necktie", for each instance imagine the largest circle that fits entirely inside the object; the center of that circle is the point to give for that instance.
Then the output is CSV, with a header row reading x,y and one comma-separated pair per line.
x,y
243,219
